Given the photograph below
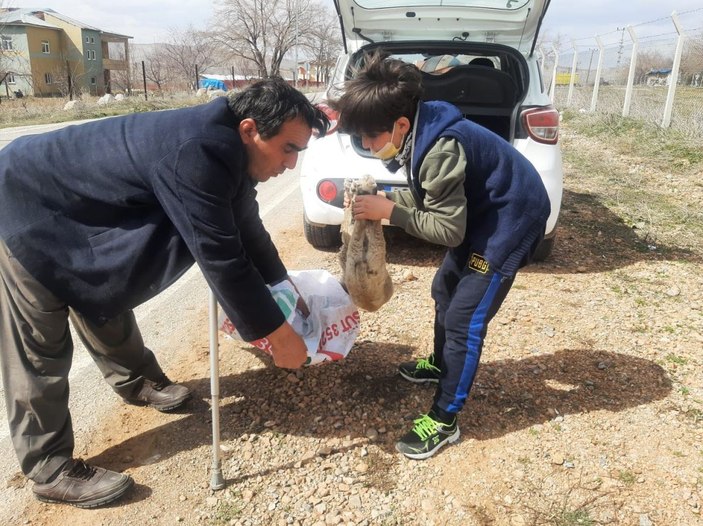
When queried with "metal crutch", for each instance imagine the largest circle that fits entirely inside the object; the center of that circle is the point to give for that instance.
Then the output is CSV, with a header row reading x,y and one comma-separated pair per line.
x,y
217,481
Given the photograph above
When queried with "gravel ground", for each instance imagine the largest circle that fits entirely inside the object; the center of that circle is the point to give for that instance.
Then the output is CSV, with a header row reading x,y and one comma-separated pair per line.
x,y
587,409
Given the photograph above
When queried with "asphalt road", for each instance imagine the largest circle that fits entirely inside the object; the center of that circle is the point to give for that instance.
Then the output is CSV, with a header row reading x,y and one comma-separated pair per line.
x,y
90,398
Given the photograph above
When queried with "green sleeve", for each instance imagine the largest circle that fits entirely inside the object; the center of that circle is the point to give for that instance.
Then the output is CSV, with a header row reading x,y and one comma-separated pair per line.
x,y
443,218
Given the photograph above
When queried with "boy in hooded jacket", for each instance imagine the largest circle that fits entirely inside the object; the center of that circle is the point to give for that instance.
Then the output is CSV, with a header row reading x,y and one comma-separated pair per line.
x,y
469,190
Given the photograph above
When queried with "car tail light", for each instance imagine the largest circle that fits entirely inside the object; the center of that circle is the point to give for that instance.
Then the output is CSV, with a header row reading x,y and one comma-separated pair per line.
x,y
327,191
542,124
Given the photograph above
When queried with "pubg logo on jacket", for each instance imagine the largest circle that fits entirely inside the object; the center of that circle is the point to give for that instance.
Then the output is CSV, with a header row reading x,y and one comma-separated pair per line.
x,y
478,263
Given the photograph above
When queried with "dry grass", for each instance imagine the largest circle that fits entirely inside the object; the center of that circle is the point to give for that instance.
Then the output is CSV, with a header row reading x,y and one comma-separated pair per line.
x,y
36,110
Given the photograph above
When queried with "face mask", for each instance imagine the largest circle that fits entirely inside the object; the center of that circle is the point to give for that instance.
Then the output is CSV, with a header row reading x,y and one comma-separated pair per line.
x,y
389,150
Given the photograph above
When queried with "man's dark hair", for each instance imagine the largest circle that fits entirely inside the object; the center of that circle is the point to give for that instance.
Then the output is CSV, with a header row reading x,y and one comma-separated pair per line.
x,y
273,101
379,93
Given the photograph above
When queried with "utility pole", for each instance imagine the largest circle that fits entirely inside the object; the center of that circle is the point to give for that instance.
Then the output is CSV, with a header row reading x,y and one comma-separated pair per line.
x,y
295,72
590,62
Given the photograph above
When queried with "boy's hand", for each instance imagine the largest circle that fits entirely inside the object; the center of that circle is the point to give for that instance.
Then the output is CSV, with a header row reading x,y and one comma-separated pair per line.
x,y
372,207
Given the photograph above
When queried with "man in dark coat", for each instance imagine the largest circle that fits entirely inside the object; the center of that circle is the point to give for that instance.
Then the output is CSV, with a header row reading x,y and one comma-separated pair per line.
x,y
98,218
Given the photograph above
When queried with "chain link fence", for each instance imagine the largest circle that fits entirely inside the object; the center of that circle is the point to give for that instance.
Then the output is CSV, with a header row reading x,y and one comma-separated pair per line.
x,y
652,71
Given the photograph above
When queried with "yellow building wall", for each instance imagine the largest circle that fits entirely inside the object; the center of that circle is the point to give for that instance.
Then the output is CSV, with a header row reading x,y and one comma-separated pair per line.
x,y
43,63
73,46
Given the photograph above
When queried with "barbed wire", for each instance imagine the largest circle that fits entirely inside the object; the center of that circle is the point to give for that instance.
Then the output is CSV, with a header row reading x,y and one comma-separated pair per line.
x,y
620,30
667,17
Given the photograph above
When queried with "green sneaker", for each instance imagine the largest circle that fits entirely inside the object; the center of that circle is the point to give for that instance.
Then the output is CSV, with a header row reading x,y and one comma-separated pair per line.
x,y
420,372
426,437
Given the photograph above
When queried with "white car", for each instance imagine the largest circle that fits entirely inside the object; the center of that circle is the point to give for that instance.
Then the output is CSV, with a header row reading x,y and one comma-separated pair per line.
x,y
476,54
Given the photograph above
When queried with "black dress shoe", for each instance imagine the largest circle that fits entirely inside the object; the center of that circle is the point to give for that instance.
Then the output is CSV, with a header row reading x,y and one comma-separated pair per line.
x,y
163,395
83,486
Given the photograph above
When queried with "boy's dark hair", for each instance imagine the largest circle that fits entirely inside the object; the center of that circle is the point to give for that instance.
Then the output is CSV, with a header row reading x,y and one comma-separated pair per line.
x,y
381,92
273,101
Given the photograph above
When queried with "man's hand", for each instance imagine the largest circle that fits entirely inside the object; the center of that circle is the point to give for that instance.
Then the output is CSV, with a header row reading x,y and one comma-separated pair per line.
x,y
288,348
372,207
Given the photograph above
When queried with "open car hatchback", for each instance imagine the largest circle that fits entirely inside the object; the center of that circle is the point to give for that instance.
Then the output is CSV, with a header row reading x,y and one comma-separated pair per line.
x,y
476,54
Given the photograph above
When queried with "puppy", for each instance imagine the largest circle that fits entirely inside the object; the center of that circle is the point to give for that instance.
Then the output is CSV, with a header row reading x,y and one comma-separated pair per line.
x,y
363,252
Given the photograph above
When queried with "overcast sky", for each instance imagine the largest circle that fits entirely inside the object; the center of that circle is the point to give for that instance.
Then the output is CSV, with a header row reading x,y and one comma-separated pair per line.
x,y
149,21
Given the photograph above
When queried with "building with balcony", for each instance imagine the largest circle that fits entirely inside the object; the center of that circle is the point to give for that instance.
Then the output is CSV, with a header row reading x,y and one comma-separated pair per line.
x,y
45,53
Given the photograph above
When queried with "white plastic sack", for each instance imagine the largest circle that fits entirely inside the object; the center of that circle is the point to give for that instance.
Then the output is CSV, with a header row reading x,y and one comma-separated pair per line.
x,y
333,325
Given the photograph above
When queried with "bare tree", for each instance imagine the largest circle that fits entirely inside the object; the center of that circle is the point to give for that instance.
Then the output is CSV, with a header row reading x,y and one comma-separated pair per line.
x,y
692,61
158,67
323,43
13,64
5,54
263,31
68,77
185,50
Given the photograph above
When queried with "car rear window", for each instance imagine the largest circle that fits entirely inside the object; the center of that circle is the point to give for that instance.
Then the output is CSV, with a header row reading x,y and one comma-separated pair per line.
x,y
442,63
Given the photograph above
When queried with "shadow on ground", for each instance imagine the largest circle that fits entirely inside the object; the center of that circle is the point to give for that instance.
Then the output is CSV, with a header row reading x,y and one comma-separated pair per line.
x,y
349,397
591,238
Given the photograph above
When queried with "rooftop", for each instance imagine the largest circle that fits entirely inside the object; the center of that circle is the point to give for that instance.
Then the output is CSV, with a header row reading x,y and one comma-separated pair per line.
x,y
32,16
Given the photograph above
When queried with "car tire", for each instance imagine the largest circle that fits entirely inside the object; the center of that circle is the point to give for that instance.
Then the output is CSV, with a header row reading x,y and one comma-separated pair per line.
x,y
544,249
323,236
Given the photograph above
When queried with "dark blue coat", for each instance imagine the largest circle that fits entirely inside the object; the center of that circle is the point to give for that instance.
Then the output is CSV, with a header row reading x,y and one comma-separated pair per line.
x,y
108,214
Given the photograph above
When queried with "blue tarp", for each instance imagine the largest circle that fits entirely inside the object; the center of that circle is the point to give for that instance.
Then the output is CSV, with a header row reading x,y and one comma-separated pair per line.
x,y
212,84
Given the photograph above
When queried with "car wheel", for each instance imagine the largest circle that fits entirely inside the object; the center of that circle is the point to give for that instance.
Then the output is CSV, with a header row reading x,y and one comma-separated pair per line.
x,y
544,249
323,236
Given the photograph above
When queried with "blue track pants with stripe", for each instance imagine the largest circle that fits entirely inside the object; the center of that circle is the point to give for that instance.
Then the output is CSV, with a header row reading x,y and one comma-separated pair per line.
x,y
465,302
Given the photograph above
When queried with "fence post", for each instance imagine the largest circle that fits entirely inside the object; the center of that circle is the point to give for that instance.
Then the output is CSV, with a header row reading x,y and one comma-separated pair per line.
x,y
70,83
553,87
631,74
666,121
573,73
599,68
146,97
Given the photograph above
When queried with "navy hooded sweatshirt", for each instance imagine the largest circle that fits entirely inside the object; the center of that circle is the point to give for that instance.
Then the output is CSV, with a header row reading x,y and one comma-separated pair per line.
x,y
507,203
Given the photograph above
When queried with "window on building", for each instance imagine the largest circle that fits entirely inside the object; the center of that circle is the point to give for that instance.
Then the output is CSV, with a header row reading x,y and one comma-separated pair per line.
x,y
92,40
6,43
92,54
48,78
93,81
87,40
11,78
45,46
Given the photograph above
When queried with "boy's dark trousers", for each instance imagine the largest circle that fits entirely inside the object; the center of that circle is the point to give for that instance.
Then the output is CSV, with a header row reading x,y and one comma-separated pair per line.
x,y
466,300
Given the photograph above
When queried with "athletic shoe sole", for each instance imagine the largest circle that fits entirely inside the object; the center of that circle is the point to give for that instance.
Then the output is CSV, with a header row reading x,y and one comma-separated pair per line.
x,y
418,380
422,456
